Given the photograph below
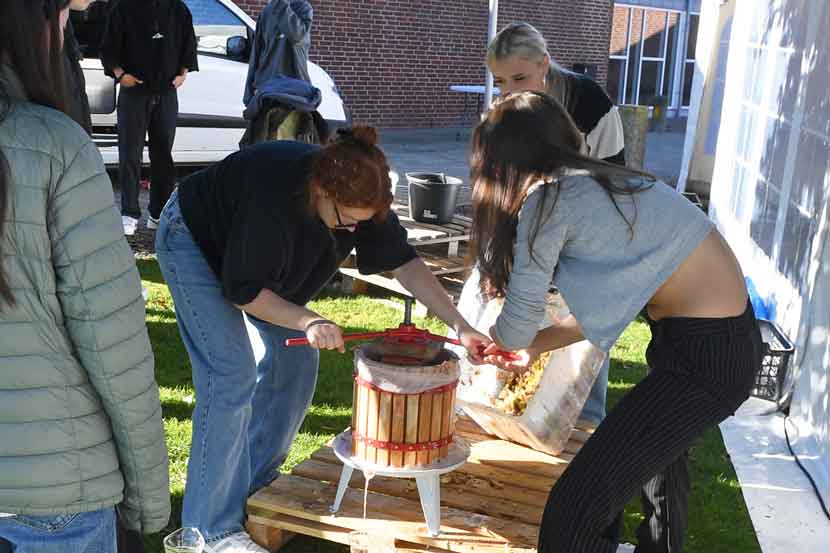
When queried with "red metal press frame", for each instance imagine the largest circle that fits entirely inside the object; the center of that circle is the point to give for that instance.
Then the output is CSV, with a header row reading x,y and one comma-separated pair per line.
x,y
406,333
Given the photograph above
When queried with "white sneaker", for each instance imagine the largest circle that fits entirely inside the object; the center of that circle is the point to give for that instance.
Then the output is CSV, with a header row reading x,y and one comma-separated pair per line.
x,y
130,224
240,542
625,548
152,224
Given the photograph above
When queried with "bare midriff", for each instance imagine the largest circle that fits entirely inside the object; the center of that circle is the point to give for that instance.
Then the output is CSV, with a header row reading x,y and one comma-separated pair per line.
x,y
709,283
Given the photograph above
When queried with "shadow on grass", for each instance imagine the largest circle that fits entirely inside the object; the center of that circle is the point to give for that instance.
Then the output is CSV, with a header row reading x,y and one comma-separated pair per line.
x,y
622,377
172,363
319,423
174,409
150,270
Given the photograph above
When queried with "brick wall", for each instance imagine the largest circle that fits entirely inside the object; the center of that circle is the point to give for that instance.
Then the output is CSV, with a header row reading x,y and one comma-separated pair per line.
x,y
394,60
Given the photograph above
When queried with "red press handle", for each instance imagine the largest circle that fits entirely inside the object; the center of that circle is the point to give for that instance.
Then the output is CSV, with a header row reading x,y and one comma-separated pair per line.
x,y
369,335
365,336
346,338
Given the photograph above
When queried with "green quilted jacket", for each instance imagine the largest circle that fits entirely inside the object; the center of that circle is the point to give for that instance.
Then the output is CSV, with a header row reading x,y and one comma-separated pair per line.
x,y
80,419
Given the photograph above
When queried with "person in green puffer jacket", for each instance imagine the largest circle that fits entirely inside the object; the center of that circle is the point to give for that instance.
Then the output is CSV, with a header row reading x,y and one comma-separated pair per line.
x,y
80,419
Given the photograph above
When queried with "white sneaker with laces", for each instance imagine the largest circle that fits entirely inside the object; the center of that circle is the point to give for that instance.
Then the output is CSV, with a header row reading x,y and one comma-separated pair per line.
x,y
240,542
152,223
130,224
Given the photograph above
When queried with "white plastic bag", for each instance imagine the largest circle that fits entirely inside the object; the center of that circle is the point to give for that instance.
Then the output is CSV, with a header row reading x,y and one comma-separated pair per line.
x,y
566,383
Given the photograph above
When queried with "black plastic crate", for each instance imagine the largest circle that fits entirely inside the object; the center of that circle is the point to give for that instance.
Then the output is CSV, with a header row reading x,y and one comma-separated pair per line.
x,y
694,198
778,350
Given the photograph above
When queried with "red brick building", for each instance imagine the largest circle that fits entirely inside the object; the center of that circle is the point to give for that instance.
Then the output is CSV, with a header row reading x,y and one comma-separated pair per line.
x,y
394,60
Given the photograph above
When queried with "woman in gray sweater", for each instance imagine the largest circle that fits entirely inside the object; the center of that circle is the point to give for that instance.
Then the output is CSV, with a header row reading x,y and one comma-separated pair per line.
x,y
615,241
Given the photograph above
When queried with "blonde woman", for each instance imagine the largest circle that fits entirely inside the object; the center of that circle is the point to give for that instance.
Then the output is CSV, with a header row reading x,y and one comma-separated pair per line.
x,y
519,60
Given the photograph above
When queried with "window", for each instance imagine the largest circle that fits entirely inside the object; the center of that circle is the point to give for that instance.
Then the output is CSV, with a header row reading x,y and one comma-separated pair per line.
x,y
689,65
691,45
650,80
688,76
673,28
631,76
764,215
652,64
654,34
618,62
214,24
616,79
632,54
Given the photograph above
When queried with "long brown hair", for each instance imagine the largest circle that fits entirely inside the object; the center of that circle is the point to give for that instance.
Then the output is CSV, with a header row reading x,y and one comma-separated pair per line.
x,y
353,171
30,43
528,137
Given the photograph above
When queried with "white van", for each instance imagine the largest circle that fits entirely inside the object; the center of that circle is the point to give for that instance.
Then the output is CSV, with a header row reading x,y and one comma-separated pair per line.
x,y
210,120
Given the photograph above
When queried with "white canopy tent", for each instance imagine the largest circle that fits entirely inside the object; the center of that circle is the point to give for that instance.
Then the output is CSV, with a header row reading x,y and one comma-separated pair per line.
x,y
770,189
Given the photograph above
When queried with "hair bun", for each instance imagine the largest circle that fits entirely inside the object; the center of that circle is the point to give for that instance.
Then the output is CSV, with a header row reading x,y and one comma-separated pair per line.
x,y
362,133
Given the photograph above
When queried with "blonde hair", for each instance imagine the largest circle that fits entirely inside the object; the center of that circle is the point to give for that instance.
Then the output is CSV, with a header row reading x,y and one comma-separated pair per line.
x,y
526,42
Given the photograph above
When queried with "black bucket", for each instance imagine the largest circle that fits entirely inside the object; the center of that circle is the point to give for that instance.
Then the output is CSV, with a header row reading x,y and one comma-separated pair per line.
x,y
432,197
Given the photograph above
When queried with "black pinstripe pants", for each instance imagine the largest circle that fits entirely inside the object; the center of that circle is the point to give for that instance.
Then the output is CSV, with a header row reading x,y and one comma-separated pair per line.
x,y
701,371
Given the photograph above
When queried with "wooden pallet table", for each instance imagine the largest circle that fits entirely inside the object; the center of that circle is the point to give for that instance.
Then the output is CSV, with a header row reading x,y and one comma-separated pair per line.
x,y
492,504
442,247
420,234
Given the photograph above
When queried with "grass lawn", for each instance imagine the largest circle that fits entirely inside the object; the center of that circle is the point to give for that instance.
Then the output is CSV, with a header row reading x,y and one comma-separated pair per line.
x,y
718,520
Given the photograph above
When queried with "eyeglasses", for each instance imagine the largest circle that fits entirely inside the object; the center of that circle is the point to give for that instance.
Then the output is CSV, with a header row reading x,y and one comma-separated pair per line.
x,y
340,225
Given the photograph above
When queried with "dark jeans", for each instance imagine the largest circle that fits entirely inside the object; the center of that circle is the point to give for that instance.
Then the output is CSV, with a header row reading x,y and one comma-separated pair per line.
x,y
129,541
701,371
140,113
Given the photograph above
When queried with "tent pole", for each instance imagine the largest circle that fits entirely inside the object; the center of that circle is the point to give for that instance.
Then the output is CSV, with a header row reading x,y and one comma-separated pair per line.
x,y
491,33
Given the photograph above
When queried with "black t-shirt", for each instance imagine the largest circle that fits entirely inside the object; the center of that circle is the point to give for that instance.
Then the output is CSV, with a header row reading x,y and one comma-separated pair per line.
x,y
150,39
595,115
249,215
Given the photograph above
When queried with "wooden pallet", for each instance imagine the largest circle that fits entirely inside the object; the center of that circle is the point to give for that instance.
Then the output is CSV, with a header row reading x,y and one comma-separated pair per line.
x,y
422,234
492,504
442,247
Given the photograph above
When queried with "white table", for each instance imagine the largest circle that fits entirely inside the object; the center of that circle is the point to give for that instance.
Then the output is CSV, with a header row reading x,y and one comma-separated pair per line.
x,y
473,97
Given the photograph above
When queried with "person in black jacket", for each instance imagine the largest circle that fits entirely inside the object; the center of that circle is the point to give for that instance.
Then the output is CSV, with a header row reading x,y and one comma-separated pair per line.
x,y
281,43
78,103
280,49
149,46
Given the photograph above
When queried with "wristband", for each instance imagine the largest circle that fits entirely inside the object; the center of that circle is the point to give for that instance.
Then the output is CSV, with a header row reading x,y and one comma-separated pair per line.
x,y
316,322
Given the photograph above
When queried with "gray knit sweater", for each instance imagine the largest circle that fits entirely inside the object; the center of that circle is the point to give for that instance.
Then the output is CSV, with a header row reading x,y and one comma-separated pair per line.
x,y
604,273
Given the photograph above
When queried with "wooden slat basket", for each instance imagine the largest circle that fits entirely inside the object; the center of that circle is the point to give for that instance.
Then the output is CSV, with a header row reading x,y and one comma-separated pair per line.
x,y
403,415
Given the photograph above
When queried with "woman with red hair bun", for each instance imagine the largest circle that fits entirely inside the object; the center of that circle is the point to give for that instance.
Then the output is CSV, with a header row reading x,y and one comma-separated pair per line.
x,y
253,239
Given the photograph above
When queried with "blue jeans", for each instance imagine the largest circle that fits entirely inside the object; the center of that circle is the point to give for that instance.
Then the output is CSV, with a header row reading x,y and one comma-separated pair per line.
x,y
252,392
594,409
92,532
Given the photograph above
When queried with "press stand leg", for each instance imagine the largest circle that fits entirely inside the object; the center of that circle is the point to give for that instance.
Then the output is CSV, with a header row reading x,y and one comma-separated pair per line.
x,y
345,476
429,490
